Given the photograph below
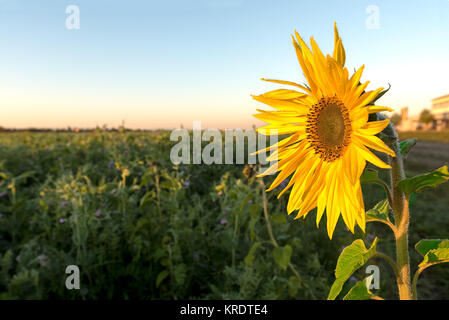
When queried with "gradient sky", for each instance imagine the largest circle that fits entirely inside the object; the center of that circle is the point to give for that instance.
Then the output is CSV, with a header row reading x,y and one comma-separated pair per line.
x,y
160,64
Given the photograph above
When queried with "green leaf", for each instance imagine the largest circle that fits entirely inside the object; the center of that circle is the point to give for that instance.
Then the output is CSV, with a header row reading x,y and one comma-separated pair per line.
x,y
420,182
425,245
161,276
279,218
435,256
254,210
380,95
370,176
180,273
351,259
293,286
434,251
360,290
249,259
282,255
406,145
379,212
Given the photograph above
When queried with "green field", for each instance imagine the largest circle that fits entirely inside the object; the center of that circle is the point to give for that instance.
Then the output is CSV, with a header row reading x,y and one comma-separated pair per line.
x,y
435,136
140,227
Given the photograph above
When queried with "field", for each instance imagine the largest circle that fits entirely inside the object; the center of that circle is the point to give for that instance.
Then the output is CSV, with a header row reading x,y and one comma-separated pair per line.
x,y
140,227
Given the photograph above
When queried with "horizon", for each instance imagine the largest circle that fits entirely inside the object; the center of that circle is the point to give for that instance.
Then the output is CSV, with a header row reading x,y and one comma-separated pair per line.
x,y
159,65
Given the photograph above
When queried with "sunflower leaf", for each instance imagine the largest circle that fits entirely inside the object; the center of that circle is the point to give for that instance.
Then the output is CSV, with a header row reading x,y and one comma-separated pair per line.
x,y
360,290
434,251
380,95
370,176
282,255
420,182
379,212
425,245
406,145
351,259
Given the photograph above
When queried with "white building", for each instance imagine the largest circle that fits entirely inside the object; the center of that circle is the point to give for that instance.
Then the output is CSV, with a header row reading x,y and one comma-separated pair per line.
x,y
440,112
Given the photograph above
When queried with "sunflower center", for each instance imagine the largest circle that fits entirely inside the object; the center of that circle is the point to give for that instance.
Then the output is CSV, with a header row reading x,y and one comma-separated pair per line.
x,y
329,128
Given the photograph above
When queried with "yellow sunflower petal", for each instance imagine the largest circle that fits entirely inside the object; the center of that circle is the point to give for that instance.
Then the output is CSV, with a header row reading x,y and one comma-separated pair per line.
x,y
374,109
288,83
373,127
369,156
339,51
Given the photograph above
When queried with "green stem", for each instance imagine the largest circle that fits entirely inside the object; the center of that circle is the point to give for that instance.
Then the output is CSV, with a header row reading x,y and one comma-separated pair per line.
x,y
273,239
390,261
401,219
415,283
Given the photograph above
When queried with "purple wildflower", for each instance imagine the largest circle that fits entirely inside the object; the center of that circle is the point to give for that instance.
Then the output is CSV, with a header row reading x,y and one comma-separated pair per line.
x,y
111,164
186,184
98,213
224,222
64,204
3,194
61,221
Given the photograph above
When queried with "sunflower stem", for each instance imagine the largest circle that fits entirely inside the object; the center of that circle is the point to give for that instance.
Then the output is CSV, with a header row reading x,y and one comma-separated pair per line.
x,y
400,208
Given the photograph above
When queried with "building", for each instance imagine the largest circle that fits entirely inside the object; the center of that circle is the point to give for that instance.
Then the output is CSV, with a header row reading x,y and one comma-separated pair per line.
x,y
440,112
408,123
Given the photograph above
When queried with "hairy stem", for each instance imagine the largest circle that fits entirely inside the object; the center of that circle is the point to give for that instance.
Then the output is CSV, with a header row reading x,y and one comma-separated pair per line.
x,y
401,218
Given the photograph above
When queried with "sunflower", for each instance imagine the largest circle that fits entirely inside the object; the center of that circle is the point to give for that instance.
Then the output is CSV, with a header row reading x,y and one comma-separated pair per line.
x,y
329,136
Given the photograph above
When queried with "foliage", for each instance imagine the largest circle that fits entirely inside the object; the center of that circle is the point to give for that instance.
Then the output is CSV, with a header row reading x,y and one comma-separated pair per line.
x,y
426,116
140,227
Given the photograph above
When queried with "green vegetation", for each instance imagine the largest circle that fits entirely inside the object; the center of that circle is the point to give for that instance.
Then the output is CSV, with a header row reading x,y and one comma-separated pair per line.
x,y
140,227
436,136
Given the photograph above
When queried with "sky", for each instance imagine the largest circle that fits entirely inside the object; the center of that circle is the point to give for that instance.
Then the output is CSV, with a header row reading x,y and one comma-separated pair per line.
x,y
163,64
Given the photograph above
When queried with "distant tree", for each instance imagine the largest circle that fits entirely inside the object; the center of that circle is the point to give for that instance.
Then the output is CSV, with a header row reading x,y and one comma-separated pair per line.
x,y
426,116
396,119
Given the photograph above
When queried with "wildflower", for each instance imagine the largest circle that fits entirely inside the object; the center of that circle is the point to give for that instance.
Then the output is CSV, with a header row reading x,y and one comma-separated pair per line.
x,y
224,222
64,204
111,164
98,213
61,221
3,194
225,212
186,184
327,149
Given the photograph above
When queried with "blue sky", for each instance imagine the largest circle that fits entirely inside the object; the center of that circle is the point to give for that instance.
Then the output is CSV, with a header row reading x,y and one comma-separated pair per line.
x,y
159,64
